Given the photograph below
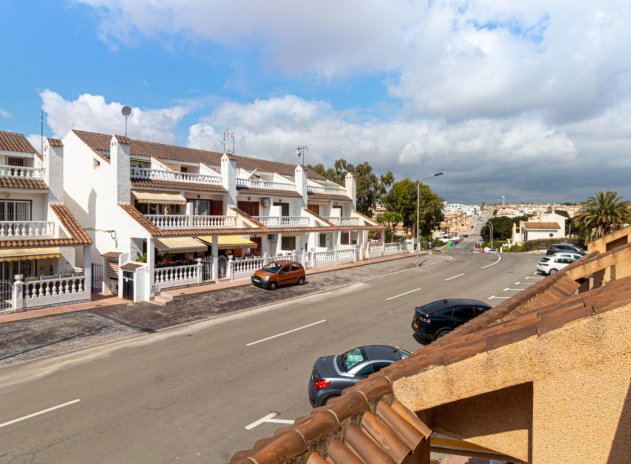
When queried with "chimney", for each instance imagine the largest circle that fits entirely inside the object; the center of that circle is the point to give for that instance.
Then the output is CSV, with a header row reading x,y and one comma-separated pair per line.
x,y
54,169
229,178
120,164
301,184
351,189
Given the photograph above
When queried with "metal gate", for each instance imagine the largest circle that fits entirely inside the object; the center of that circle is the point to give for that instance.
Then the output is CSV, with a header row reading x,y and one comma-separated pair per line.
x,y
6,296
128,285
97,278
207,268
222,267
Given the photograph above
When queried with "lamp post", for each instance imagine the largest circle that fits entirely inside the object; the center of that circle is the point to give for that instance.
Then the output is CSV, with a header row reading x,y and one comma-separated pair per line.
x,y
300,151
418,208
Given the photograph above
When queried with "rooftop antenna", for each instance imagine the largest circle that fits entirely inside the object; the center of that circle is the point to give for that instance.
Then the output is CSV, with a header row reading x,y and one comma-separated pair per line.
x,y
126,110
41,131
300,151
228,135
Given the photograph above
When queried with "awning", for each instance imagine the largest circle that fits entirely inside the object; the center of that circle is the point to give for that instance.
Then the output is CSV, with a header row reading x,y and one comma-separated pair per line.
x,y
161,198
229,242
179,245
28,254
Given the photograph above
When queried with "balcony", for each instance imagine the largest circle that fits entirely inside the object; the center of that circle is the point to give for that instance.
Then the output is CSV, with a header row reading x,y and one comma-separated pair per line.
x,y
329,190
184,221
283,221
26,229
21,172
345,221
174,176
265,185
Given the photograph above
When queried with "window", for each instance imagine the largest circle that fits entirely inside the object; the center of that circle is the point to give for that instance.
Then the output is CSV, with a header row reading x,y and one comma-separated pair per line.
x,y
96,164
352,358
284,270
345,238
322,241
288,243
295,267
480,309
272,268
463,312
15,210
284,208
366,370
201,207
183,169
13,161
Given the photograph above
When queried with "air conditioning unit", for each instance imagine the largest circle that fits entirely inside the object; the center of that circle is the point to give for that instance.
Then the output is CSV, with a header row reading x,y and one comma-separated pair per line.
x,y
265,202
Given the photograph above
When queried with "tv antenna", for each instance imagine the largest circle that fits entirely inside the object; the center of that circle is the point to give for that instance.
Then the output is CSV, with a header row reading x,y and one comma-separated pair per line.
x,y
228,135
126,110
300,151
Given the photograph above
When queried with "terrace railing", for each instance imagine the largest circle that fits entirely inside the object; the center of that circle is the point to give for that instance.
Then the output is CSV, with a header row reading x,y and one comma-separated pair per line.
x,y
174,176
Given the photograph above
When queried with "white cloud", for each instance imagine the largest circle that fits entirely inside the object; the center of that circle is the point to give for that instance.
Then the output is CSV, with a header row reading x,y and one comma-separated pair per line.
x,y
4,114
94,113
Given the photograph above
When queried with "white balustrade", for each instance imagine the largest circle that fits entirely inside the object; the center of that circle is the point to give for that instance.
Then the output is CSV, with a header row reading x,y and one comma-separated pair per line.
x,y
26,229
183,221
331,190
320,258
264,184
176,276
283,221
242,268
375,251
51,291
24,172
174,176
345,221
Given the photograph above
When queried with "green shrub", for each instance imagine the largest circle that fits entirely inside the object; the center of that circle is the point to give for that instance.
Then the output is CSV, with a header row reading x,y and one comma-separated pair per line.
x,y
544,243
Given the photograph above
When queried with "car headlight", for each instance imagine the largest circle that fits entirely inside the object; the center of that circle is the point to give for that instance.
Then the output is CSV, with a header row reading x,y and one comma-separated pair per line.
x,y
265,279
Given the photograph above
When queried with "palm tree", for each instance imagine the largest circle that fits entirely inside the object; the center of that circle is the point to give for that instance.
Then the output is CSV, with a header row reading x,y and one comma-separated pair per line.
x,y
602,214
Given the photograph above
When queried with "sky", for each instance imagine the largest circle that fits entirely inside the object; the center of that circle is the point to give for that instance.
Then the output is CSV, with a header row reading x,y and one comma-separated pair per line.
x,y
531,100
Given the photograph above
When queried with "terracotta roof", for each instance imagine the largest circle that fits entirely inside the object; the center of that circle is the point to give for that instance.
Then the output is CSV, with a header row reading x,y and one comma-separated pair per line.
x,y
131,266
546,306
98,142
55,142
542,225
320,218
112,254
12,141
269,193
182,186
22,183
328,196
78,236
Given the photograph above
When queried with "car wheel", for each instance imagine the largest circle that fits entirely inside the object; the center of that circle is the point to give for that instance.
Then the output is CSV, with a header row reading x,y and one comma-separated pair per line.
x,y
329,399
272,286
552,271
442,333
301,281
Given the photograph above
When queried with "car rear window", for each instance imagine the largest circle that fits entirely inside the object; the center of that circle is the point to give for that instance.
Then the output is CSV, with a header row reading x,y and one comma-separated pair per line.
x,y
351,358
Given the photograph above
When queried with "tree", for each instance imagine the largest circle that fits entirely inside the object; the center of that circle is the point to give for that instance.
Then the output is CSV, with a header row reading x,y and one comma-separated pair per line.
x,y
602,214
502,228
370,187
391,220
402,199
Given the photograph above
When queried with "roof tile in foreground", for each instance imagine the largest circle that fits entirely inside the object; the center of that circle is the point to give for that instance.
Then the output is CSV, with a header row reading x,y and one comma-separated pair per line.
x,y
22,183
369,431
12,141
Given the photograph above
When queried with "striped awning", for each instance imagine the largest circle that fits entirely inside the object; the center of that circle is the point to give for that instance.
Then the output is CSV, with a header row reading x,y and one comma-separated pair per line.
x,y
28,254
229,242
179,245
160,198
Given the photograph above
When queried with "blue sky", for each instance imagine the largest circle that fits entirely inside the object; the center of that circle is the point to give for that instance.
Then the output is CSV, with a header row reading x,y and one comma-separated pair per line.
x,y
493,93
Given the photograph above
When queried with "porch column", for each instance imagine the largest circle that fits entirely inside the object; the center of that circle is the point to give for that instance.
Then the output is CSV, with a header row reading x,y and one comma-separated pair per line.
x,y
87,269
383,242
360,245
189,213
215,250
151,265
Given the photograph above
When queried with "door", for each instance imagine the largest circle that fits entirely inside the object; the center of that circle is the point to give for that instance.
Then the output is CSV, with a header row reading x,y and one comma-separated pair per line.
x,y
249,207
314,209
97,278
296,273
284,275
216,208
259,245
284,208
128,285
6,296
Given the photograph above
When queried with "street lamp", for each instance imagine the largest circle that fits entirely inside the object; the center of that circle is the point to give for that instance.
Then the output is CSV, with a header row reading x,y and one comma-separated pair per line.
x,y
300,151
418,208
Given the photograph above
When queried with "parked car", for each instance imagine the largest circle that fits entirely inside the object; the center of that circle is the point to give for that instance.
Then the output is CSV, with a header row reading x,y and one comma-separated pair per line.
x,y
564,248
438,318
279,273
551,264
332,374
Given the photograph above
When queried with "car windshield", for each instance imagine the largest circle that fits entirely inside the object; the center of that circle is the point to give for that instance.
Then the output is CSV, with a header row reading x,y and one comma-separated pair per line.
x,y
272,268
351,358
404,354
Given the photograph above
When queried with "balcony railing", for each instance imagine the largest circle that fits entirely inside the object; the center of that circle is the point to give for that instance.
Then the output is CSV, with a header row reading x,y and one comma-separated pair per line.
x,y
265,185
345,221
331,190
26,229
174,176
184,221
283,221
23,172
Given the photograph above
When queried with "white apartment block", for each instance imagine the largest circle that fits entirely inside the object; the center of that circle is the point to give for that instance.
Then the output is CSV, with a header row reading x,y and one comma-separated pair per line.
x,y
162,216
469,210
44,252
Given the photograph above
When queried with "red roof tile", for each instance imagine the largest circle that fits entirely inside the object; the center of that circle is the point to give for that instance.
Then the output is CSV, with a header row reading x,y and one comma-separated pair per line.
x,y
12,141
181,186
542,225
22,183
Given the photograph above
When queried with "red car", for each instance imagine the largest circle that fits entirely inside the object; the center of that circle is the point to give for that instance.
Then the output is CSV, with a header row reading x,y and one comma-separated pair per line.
x,y
279,273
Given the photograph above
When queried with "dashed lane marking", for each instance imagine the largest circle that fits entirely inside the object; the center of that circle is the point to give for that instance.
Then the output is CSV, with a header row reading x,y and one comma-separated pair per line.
x,y
39,413
493,297
454,277
285,333
403,294
513,289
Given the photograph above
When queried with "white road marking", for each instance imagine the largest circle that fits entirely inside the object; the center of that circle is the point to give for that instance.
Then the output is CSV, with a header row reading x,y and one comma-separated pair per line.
x,y
454,277
44,411
499,258
518,283
270,419
402,294
513,289
285,333
493,297
530,277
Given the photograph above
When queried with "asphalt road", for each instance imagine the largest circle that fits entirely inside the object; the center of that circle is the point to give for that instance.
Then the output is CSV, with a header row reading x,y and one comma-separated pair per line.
x,y
186,394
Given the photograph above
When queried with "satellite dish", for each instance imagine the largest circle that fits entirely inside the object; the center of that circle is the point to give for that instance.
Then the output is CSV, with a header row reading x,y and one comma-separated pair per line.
x,y
126,110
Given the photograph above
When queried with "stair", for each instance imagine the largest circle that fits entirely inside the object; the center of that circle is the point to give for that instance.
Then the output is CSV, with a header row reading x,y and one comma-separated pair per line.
x,y
163,299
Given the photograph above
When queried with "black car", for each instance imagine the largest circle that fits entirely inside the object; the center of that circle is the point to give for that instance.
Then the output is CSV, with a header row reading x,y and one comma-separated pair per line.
x,y
438,318
565,247
332,374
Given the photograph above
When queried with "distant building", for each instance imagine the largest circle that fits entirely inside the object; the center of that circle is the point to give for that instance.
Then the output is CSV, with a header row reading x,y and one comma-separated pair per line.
x,y
543,226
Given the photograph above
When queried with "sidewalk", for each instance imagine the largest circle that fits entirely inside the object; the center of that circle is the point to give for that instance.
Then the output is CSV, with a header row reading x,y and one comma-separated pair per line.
x,y
100,301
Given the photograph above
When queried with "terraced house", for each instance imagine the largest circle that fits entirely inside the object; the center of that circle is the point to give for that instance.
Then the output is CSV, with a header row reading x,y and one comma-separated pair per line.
x,y
44,252
165,216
